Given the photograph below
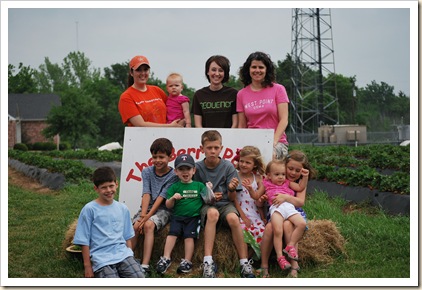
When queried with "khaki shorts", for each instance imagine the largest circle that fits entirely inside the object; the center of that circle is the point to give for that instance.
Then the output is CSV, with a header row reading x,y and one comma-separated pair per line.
x,y
224,210
160,218
280,150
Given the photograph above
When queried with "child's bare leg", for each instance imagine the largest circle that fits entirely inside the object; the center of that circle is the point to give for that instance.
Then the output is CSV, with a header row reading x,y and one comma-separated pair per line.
x,y
210,230
237,235
277,224
299,225
135,238
288,230
168,248
266,247
189,248
149,228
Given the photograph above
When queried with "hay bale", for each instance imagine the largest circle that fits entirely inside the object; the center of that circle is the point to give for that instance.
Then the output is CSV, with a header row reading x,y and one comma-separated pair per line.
x,y
224,253
70,233
321,243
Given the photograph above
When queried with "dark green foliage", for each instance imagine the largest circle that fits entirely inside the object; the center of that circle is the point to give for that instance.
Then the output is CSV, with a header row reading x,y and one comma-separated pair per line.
x,y
44,146
362,165
20,147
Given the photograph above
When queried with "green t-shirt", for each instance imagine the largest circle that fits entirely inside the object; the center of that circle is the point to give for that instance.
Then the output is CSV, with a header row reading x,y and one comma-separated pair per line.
x,y
191,203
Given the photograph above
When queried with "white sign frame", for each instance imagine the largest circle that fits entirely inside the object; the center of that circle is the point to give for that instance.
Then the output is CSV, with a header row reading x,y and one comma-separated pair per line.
x,y
138,140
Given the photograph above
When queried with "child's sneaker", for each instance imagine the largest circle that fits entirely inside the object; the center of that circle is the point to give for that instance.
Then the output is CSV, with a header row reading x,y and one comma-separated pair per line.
x,y
283,263
146,271
291,252
246,270
184,267
209,269
162,265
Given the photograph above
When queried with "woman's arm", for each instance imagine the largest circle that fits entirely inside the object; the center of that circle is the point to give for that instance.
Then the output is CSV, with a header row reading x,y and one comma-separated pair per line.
x,y
186,113
242,120
235,120
283,117
138,121
198,121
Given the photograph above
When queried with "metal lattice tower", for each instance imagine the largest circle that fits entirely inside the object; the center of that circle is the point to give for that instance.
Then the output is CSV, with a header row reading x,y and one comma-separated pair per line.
x,y
314,96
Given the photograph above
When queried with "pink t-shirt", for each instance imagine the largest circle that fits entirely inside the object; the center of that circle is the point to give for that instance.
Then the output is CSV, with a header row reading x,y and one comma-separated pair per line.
x,y
272,189
260,108
174,107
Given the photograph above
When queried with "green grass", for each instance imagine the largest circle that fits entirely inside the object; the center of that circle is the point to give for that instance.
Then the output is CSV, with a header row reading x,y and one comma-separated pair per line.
x,y
377,245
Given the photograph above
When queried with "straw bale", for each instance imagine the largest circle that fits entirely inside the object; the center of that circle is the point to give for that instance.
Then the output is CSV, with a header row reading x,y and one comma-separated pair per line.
x,y
70,233
321,243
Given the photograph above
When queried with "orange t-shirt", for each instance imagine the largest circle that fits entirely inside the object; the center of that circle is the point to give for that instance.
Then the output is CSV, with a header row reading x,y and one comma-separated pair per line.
x,y
151,105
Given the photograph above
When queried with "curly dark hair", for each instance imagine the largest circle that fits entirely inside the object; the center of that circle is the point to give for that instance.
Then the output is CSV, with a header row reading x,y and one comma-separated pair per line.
x,y
222,62
245,75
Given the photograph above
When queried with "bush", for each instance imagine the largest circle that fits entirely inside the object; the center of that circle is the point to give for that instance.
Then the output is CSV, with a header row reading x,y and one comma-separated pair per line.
x,y
20,146
64,146
44,146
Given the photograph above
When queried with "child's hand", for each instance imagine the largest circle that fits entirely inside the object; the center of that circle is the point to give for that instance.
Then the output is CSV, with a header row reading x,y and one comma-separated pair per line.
x,y
279,199
177,196
233,184
218,195
263,198
247,184
304,172
247,222
88,272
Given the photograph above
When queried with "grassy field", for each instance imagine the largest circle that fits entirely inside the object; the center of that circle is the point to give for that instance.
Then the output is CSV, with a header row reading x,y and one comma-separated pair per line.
x,y
377,245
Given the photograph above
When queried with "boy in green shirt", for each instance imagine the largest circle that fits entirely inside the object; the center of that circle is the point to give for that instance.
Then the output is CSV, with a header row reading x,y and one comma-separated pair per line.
x,y
184,197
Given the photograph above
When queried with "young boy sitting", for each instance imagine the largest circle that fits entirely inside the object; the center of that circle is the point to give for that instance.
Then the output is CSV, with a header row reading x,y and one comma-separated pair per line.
x,y
223,176
104,231
184,197
153,214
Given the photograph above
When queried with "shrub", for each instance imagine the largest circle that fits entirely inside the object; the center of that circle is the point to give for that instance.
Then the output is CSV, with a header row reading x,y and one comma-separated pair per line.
x,y
20,146
44,146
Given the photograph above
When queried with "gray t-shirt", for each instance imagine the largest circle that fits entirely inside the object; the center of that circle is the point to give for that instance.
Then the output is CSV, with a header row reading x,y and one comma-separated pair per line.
x,y
219,176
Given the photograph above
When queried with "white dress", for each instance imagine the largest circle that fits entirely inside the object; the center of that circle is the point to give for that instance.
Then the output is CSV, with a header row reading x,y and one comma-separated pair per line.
x,y
247,203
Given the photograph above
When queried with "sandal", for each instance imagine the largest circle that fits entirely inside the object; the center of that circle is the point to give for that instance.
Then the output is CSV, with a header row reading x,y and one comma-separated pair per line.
x,y
291,252
283,263
290,275
263,273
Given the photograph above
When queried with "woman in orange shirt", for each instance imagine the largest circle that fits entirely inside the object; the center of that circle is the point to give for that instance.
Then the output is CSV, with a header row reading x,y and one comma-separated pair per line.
x,y
143,105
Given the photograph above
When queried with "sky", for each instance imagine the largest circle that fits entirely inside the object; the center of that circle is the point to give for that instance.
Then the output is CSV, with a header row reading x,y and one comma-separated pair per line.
x,y
369,42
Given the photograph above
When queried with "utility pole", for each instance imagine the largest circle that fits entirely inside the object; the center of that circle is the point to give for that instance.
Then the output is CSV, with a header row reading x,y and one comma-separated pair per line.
x,y
314,97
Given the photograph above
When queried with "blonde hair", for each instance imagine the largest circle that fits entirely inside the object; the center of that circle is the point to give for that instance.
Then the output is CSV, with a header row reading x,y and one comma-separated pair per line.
x,y
274,162
255,154
174,76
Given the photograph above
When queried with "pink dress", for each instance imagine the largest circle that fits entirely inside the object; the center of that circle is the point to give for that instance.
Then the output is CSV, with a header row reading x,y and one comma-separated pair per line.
x,y
247,203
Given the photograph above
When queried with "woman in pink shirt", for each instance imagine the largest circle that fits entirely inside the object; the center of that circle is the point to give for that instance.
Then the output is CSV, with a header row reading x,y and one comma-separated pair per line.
x,y
262,103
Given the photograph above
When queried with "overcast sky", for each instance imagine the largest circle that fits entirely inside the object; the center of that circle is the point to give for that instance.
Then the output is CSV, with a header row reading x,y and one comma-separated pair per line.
x,y
370,43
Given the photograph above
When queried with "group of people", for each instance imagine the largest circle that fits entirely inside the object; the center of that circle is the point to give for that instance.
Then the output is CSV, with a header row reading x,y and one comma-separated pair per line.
x,y
206,194
262,103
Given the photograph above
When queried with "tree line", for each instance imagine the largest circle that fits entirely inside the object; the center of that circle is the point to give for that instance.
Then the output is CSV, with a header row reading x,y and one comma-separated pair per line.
x,y
89,117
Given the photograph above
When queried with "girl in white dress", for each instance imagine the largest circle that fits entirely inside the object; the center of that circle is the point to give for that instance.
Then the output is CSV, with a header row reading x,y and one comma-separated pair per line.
x,y
250,168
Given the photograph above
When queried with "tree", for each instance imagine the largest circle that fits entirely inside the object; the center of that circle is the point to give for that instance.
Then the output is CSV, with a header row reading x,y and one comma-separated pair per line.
x,y
117,75
77,117
23,81
109,122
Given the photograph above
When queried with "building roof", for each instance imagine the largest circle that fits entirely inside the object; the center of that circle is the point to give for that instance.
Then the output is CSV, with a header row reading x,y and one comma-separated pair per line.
x,y
32,106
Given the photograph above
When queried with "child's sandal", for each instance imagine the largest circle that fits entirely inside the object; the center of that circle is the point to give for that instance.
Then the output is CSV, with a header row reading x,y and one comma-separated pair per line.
x,y
294,269
263,273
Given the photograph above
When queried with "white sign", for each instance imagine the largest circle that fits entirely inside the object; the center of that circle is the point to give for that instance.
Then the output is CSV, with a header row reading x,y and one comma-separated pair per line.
x,y
138,140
